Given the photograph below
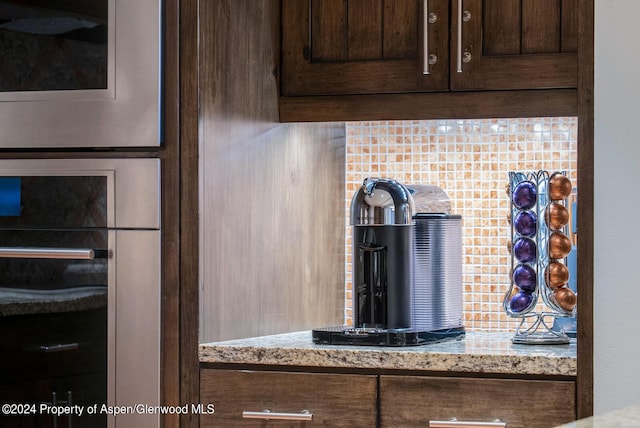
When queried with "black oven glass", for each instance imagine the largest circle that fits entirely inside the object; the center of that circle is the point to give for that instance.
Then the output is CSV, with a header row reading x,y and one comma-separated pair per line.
x,y
53,311
50,45
53,202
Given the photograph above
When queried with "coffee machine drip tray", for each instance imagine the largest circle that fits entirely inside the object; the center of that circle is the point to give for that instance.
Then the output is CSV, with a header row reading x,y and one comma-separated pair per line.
x,y
347,335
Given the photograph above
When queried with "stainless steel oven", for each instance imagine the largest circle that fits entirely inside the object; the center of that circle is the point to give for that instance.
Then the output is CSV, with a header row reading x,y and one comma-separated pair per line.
x,y
80,291
80,73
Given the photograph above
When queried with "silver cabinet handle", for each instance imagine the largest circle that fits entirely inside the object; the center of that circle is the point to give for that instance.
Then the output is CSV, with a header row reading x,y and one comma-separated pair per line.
x,y
466,55
425,37
47,253
60,347
428,18
463,16
459,57
304,415
454,423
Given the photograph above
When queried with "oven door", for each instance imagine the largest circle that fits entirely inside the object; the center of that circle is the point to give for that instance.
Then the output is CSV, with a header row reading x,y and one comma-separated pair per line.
x,y
80,73
80,291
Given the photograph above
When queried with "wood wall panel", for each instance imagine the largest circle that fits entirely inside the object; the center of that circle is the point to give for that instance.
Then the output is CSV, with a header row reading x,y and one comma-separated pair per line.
x,y
187,158
585,206
271,195
171,279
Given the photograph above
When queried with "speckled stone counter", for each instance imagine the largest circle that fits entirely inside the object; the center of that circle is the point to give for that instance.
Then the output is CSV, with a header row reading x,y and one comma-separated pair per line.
x,y
477,352
625,417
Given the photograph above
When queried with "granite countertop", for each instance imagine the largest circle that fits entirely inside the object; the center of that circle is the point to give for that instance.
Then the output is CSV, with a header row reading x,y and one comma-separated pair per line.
x,y
625,417
477,352
17,301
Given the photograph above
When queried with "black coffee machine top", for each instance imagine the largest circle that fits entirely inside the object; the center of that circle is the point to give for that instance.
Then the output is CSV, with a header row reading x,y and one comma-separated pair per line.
x,y
383,223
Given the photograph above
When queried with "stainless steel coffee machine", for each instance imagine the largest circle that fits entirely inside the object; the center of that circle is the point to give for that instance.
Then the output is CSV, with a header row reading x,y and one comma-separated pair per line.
x,y
400,291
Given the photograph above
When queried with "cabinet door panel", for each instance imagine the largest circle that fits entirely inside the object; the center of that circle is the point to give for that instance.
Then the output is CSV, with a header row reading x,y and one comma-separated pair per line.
x,y
414,401
514,44
541,26
400,28
501,34
334,400
569,33
364,37
329,30
332,47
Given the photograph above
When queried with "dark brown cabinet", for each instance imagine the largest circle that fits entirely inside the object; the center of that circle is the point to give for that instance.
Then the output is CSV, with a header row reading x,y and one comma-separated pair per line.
x,y
362,47
343,49
287,399
415,401
514,44
293,399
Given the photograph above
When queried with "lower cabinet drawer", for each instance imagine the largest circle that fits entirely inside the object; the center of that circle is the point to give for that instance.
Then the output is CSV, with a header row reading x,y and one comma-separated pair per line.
x,y
412,401
244,398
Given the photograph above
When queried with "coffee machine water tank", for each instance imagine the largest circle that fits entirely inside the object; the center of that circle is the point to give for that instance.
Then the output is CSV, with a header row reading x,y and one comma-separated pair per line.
x,y
437,271
382,213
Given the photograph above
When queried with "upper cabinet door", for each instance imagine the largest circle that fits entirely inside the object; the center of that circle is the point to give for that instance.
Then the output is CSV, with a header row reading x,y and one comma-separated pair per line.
x,y
364,46
513,44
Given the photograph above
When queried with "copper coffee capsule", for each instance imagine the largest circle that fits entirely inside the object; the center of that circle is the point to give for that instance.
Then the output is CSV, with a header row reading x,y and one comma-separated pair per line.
x,y
559,186
559,245
556,275
566,298
556,216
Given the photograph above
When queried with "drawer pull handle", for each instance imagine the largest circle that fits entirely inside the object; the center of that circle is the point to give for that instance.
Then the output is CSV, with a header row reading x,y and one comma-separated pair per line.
x,y
59,348
304,415
454,423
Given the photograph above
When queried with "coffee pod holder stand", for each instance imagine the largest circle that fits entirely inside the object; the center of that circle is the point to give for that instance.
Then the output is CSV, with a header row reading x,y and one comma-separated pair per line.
x,y
535,326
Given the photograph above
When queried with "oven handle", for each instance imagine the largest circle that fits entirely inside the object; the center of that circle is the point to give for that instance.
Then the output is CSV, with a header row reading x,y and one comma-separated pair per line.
x,y
52,253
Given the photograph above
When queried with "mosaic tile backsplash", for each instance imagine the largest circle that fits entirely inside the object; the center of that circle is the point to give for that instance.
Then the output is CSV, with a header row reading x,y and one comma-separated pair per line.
x,y
470,160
